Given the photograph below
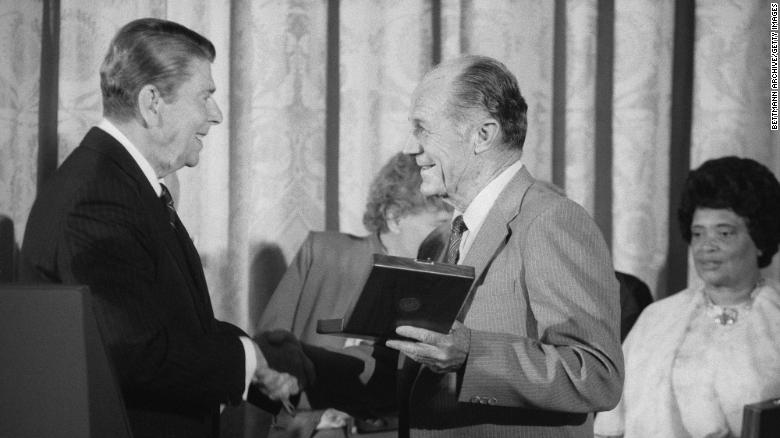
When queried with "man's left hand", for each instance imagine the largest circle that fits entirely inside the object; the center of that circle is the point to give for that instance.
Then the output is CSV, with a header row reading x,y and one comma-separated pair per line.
x,y
442,353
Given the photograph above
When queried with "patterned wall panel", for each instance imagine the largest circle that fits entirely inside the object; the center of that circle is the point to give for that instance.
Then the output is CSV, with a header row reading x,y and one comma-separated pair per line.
x,y
20,42
581,29
86,29
520,34
203,201
277,142
384,51
730,114
260,186
641,106
731,91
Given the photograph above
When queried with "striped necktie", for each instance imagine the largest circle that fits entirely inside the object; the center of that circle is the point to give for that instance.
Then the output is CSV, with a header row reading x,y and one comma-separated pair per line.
x,y
453,247
167,200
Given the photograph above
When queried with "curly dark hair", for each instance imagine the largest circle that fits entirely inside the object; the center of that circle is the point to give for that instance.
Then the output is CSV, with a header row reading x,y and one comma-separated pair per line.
x,y
743,186
396,190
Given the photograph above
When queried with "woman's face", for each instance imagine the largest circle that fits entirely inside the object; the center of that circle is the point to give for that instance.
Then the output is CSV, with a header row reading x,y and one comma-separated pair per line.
x,y
723,252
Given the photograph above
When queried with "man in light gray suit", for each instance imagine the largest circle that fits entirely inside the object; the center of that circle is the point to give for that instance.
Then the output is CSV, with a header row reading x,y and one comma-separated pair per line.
x,y
537,350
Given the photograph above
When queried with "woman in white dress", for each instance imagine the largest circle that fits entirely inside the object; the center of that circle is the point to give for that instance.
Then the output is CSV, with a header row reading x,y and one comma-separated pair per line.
x,y
694,359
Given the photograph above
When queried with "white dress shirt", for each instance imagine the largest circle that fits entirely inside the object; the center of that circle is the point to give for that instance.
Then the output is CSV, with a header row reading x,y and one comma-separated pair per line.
x,y
480,206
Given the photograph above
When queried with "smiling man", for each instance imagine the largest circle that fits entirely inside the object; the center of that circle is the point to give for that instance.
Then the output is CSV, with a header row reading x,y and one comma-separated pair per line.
x,y
537,348
105,220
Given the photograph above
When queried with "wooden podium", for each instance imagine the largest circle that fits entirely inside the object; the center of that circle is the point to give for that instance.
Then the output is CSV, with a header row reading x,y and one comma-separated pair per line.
x,y
761,420
55,377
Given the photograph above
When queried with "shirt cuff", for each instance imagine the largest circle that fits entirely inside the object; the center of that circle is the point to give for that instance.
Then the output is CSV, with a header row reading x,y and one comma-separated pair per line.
x,y
250,361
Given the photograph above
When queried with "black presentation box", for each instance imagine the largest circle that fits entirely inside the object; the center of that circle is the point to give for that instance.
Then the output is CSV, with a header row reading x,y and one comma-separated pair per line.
x,y
404,291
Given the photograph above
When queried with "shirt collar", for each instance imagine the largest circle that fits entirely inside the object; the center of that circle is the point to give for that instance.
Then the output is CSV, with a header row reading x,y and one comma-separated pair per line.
x,y
142,162
480,206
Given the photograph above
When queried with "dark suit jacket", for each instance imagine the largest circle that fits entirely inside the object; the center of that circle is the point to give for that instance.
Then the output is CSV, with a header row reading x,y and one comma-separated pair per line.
x,y
99,222
544,319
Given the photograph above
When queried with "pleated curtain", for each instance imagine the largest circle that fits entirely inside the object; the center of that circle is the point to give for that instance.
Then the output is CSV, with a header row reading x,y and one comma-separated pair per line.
x,y
315,96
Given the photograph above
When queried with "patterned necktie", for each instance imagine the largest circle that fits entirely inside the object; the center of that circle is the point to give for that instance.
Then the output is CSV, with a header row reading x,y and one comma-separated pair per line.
x,y
453,247
167,200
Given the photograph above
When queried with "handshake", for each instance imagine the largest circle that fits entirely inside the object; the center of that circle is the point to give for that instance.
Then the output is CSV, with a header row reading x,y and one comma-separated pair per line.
x,y
283,370
287,366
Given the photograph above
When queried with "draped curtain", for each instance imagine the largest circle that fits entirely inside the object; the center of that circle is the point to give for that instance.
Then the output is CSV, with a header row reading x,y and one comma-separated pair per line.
x,y
315,96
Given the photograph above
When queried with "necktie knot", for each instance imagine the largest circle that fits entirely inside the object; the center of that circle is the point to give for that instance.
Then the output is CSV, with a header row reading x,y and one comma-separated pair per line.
x,y
453,247
167,200
459,225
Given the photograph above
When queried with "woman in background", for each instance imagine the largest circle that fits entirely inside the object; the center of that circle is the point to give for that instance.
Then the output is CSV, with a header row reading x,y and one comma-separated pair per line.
x,y
694,359
327,275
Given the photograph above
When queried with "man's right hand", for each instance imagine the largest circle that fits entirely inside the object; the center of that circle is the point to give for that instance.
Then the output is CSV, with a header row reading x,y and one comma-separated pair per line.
x,y
276,385
269,386
279,350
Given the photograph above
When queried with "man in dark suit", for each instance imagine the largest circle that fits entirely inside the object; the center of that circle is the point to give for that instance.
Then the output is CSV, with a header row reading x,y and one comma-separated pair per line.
x,y
536,349
105,220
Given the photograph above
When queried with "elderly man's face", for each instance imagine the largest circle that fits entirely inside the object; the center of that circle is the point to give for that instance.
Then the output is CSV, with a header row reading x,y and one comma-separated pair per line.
x,y
442,152
186,119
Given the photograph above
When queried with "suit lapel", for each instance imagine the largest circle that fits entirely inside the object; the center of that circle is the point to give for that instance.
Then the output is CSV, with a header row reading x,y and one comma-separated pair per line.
x,y
186,258
103,143
491,237
495,231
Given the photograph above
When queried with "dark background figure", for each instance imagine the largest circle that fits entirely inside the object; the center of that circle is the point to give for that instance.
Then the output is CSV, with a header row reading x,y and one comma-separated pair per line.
x,y
8,250
634,297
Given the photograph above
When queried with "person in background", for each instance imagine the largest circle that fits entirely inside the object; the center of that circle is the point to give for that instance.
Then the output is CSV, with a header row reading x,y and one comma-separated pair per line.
x,y
694,359
536,349
635,296
105,220
326,276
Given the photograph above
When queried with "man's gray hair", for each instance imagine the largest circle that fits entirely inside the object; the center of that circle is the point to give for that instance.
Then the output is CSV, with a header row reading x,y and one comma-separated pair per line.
x,y
148,51
483,85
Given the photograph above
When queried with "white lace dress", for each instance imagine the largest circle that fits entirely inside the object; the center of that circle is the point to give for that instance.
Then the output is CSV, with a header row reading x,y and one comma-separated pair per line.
x,y
688,375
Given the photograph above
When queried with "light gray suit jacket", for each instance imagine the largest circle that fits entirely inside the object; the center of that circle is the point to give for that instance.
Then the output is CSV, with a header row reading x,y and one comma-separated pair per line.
x,y
545,327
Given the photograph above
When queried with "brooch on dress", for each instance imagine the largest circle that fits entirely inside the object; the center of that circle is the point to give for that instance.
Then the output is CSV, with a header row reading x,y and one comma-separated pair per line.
x,y
723,315
728,315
